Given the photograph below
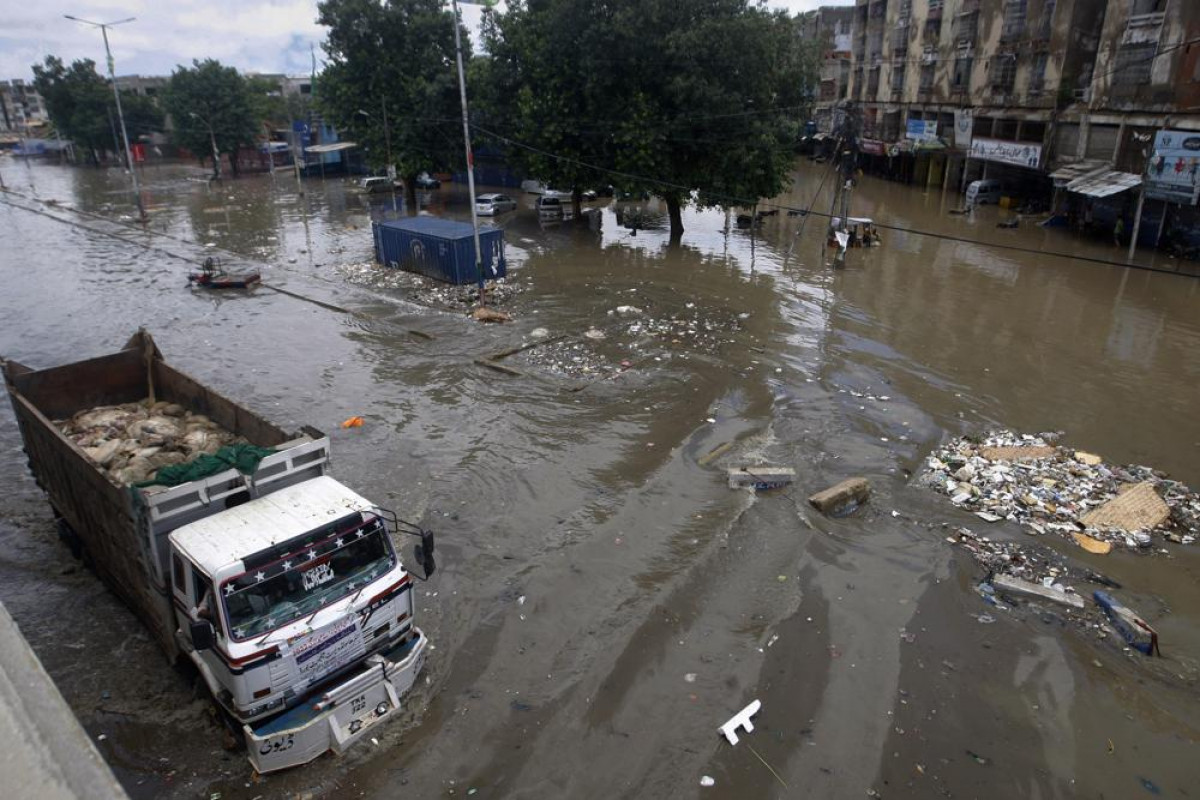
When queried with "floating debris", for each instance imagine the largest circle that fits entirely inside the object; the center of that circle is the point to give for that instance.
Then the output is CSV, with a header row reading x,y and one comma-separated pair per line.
x,y
1051,489
428,291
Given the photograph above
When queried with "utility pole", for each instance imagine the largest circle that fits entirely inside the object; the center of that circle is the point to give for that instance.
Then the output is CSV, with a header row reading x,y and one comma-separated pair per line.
x,y
462,91
112,76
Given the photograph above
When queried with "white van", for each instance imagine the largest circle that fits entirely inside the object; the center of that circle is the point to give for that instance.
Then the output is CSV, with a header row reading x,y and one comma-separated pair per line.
x,y
986,191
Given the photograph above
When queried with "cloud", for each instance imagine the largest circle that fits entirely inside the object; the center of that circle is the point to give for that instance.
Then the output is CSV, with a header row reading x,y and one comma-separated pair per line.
x,y
252,35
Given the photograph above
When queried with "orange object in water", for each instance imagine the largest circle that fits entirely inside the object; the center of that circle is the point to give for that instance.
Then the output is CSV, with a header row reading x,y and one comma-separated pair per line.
x,y
353,422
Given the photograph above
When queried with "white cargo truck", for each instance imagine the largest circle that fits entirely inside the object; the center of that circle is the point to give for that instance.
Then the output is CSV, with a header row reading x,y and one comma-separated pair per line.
x,y
282,586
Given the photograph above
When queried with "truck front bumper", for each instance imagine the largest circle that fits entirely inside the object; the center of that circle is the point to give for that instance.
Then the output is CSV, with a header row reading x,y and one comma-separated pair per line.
x,y
340,716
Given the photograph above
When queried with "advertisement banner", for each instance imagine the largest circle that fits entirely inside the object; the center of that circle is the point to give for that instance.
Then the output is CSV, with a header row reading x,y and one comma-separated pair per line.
x,y
964,123
1021,154
920,130
872,147
1172,171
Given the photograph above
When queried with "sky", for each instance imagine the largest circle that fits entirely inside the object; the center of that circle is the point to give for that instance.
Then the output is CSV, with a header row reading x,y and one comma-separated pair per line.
x,y
252,35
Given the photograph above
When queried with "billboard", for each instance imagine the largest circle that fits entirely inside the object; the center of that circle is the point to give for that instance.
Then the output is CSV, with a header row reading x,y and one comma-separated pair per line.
x,y
921,130
963,124
1172,171
1021,154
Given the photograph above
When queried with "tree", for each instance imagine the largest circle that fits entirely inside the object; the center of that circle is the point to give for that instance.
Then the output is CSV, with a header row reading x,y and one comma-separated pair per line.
x,y
213,109
81,106
393,58
77,100
694,100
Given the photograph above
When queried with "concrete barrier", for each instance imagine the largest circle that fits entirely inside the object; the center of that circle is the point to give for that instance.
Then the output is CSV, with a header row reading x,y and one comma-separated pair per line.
x,y
46,754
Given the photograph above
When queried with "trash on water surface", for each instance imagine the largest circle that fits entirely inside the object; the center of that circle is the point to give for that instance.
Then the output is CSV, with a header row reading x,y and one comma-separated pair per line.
x,y
740,720
1057,490
843,497
760,477
353,422
707,781
1135,630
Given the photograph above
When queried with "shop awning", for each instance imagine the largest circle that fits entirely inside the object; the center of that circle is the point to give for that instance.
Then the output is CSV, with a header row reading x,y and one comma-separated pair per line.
x,y
330,148
1070,172
1104,183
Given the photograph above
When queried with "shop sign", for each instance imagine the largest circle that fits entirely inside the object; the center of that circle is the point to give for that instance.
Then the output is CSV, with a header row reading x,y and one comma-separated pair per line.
x,y
872,147
1020,154
1172,171
963,125
920,130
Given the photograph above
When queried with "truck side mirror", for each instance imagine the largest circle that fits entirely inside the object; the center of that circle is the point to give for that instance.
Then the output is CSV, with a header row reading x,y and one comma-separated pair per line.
x,y
202,634
424,553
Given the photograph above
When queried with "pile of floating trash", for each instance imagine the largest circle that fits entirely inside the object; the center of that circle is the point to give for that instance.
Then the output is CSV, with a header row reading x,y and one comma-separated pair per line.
x,y
1058,490
424,290
132,441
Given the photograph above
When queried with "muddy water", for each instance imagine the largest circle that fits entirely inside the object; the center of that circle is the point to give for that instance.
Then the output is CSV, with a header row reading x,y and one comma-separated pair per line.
x,y
604,601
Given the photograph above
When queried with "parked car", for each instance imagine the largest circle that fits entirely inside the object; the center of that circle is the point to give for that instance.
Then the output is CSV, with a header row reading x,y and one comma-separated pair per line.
x,y
376,184
426,181
984,191
549,206
533,187
489,205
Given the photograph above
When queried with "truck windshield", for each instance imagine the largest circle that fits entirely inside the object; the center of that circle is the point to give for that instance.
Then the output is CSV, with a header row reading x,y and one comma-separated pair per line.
x,y
303,582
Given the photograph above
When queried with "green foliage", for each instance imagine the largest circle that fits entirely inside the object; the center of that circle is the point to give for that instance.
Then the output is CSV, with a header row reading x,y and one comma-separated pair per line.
x,y
395,58
142,115
78,101
209,98
690,99
81,105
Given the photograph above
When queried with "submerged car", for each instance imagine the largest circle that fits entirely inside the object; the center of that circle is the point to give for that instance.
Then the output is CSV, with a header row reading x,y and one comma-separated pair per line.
x,y
489,205
427,181
376,184
549,206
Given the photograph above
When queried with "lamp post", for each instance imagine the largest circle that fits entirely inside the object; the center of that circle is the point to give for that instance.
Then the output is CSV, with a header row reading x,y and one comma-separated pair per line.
x,y
212,139
387,138
112,76
462,91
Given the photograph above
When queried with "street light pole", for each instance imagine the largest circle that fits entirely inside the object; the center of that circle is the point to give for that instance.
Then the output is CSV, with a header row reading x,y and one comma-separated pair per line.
x,y
112,76
462,91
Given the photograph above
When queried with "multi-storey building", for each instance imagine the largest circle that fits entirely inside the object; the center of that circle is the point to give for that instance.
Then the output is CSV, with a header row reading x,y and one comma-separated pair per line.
x,y
21,107
830,26
1035,91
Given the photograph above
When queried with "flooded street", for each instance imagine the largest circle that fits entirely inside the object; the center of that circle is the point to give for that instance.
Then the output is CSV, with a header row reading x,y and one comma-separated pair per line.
x,y
604,601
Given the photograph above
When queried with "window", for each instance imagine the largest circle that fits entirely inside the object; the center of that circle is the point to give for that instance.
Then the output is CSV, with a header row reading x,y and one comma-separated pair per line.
x,y
927,73
1004,73
1037,76
1134,62
962,72
1014,19
968,25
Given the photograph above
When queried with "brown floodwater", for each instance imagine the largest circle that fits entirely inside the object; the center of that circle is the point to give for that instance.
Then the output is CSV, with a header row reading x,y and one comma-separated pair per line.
x,y
604,602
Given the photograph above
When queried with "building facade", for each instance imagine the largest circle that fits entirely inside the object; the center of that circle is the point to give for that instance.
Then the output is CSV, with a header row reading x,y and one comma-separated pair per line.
x,y
832,26
21,107
1032,91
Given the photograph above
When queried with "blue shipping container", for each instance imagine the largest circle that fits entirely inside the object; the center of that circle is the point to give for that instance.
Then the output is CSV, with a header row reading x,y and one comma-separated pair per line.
x,y
439,248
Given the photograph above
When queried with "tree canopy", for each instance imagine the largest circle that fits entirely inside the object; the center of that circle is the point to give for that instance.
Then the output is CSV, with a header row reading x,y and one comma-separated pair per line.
x,y
689,99
82,108
393,58
211,102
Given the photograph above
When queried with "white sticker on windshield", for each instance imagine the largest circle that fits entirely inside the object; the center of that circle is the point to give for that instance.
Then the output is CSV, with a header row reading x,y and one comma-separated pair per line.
x,y
322,573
